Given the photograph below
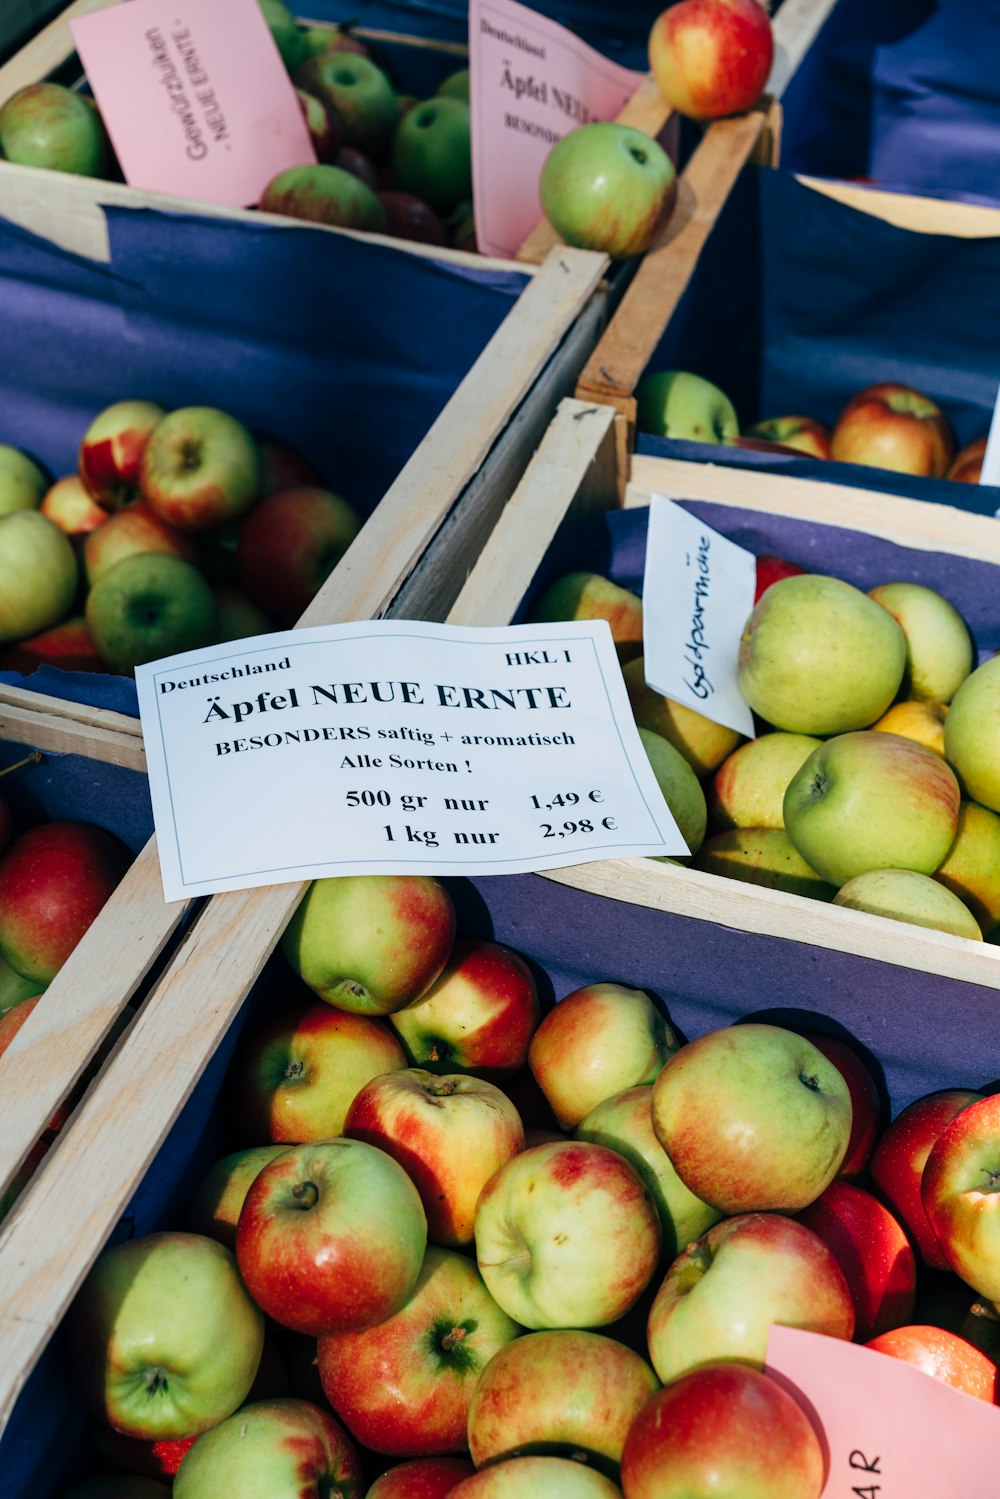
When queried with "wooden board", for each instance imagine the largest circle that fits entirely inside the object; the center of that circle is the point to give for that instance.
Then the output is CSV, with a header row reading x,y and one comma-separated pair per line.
x,y
921,215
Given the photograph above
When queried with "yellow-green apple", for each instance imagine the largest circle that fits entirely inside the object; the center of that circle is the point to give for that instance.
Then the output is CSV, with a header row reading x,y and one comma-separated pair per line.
x,y
290,543
748,788
892,426
960,1192
68,645
295,1074
38,574
680,787
703,744
47,125
566,1236
409,217
527,1477
282,466
132,530
971,732
111,450
753,1117
214,1209
945,1356
770,569
324,195
331,1237
403,1387
677,403
22,482
624,1123
711,57
422,1478
873,1252
54,879
269,1449
972,869
148,605
921,722
866,1106
589,596
118,1486
817,656
164,1339
239,617
939,653
565,1392
432,152
804,433
606,187
762,856
872,800
14,987
68,505
199,467
324,125
371,944
448,1133
967,465
898,1160
361,94
903,895
723,1293
455,86
479,1016
595,1042
725,1430
288,37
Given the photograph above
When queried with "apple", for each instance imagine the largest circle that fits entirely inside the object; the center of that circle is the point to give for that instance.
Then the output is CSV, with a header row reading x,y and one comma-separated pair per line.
x,y
903,895
199,467
595,1042
295,1074
803,433
455,86
290,543
873,1253
971,732
371,944
972,869
566,1236
157,1459
130,531
164,1339
939,652
432,152
676,403
14,987
866,1107
239,617
771,569
723,1293
679,785
47,125
214,1210
269,1449
921,722
817,656
283,26
282,466
566,1392
422,1478
967,465
448,1133
724,1430
22,482
762,856
324,125
409,217
350,159
898,1160
359,91
711,57
753,1117
958,1190
331,1237
479,1016
149,605
112,448
54,880
38,574
404,1387
68,505
606,187
68,645
703,744
624,1123
527,1477
892,426
945,1356
589,596
748,789
318,40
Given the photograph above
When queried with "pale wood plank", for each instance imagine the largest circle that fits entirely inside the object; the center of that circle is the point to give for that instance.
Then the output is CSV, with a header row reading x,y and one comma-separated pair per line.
x,y
47,51
921,215
795,27
60,735
57,707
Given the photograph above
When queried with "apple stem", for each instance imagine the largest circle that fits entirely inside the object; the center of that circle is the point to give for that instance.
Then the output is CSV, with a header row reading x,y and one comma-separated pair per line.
x,y
306,1195
451,1338
35,758
443,1089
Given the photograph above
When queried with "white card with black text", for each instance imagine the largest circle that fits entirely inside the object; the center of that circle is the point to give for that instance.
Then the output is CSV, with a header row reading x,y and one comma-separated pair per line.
x,y
990,471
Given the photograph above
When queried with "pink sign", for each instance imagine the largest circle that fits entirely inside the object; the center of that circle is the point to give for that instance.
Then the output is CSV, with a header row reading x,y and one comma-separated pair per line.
x,y
889,1430
195,96
531,82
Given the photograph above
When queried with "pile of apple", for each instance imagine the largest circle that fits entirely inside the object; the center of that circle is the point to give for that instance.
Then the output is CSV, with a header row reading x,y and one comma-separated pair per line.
x,y
392,1260
886,425
875,782
138,554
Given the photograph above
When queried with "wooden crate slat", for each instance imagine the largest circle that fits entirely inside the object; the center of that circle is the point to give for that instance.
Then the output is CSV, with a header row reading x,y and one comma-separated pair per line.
x,y
921,215
83,713
46,51
796,27
59,734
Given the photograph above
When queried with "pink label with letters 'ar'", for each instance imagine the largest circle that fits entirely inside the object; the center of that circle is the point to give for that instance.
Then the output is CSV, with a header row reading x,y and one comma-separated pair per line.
x,y
195,96
531,82
889,1430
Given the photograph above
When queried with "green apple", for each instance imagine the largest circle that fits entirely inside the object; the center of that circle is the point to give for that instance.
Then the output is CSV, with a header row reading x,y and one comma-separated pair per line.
x,y
527,1477
14,987
47,125
972,734
905,896
432,152
939,653
273,1449
703,744
589,596
324,195
762,856
455,86
150,605
972,869
361,94
608,187
748,788
214,1210
680,786
818,656
22,483
285,30
38,574
675,403
871,800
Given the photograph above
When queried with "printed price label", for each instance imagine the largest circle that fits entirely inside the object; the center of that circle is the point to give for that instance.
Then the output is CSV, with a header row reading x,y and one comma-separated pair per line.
x,y
697,594
531,81
990,471
195,97
395,747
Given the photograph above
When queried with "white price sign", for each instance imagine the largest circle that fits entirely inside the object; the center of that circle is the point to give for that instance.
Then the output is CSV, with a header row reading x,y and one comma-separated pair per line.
x,y
990,472
395,747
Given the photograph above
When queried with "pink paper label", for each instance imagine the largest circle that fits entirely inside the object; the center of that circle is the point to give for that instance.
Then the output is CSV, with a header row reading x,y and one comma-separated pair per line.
x,y
531,82
195,96
889,1430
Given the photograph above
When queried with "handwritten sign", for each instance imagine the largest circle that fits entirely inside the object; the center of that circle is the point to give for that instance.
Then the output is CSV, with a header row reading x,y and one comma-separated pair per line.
x,y
397,747
195,97
697,595
889,1430
531,81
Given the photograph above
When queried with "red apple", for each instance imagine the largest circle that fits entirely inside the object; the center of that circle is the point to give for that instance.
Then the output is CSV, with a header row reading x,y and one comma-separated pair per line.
x,y
893,426
282,466
803,434
350,159
273,1447
290,543
112,449
424,1478
326,130
132,530
199,468
959,1191
711,57
68,505
872,1251
944,1355
866,1106
69,646
770,569
967,465
409,217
